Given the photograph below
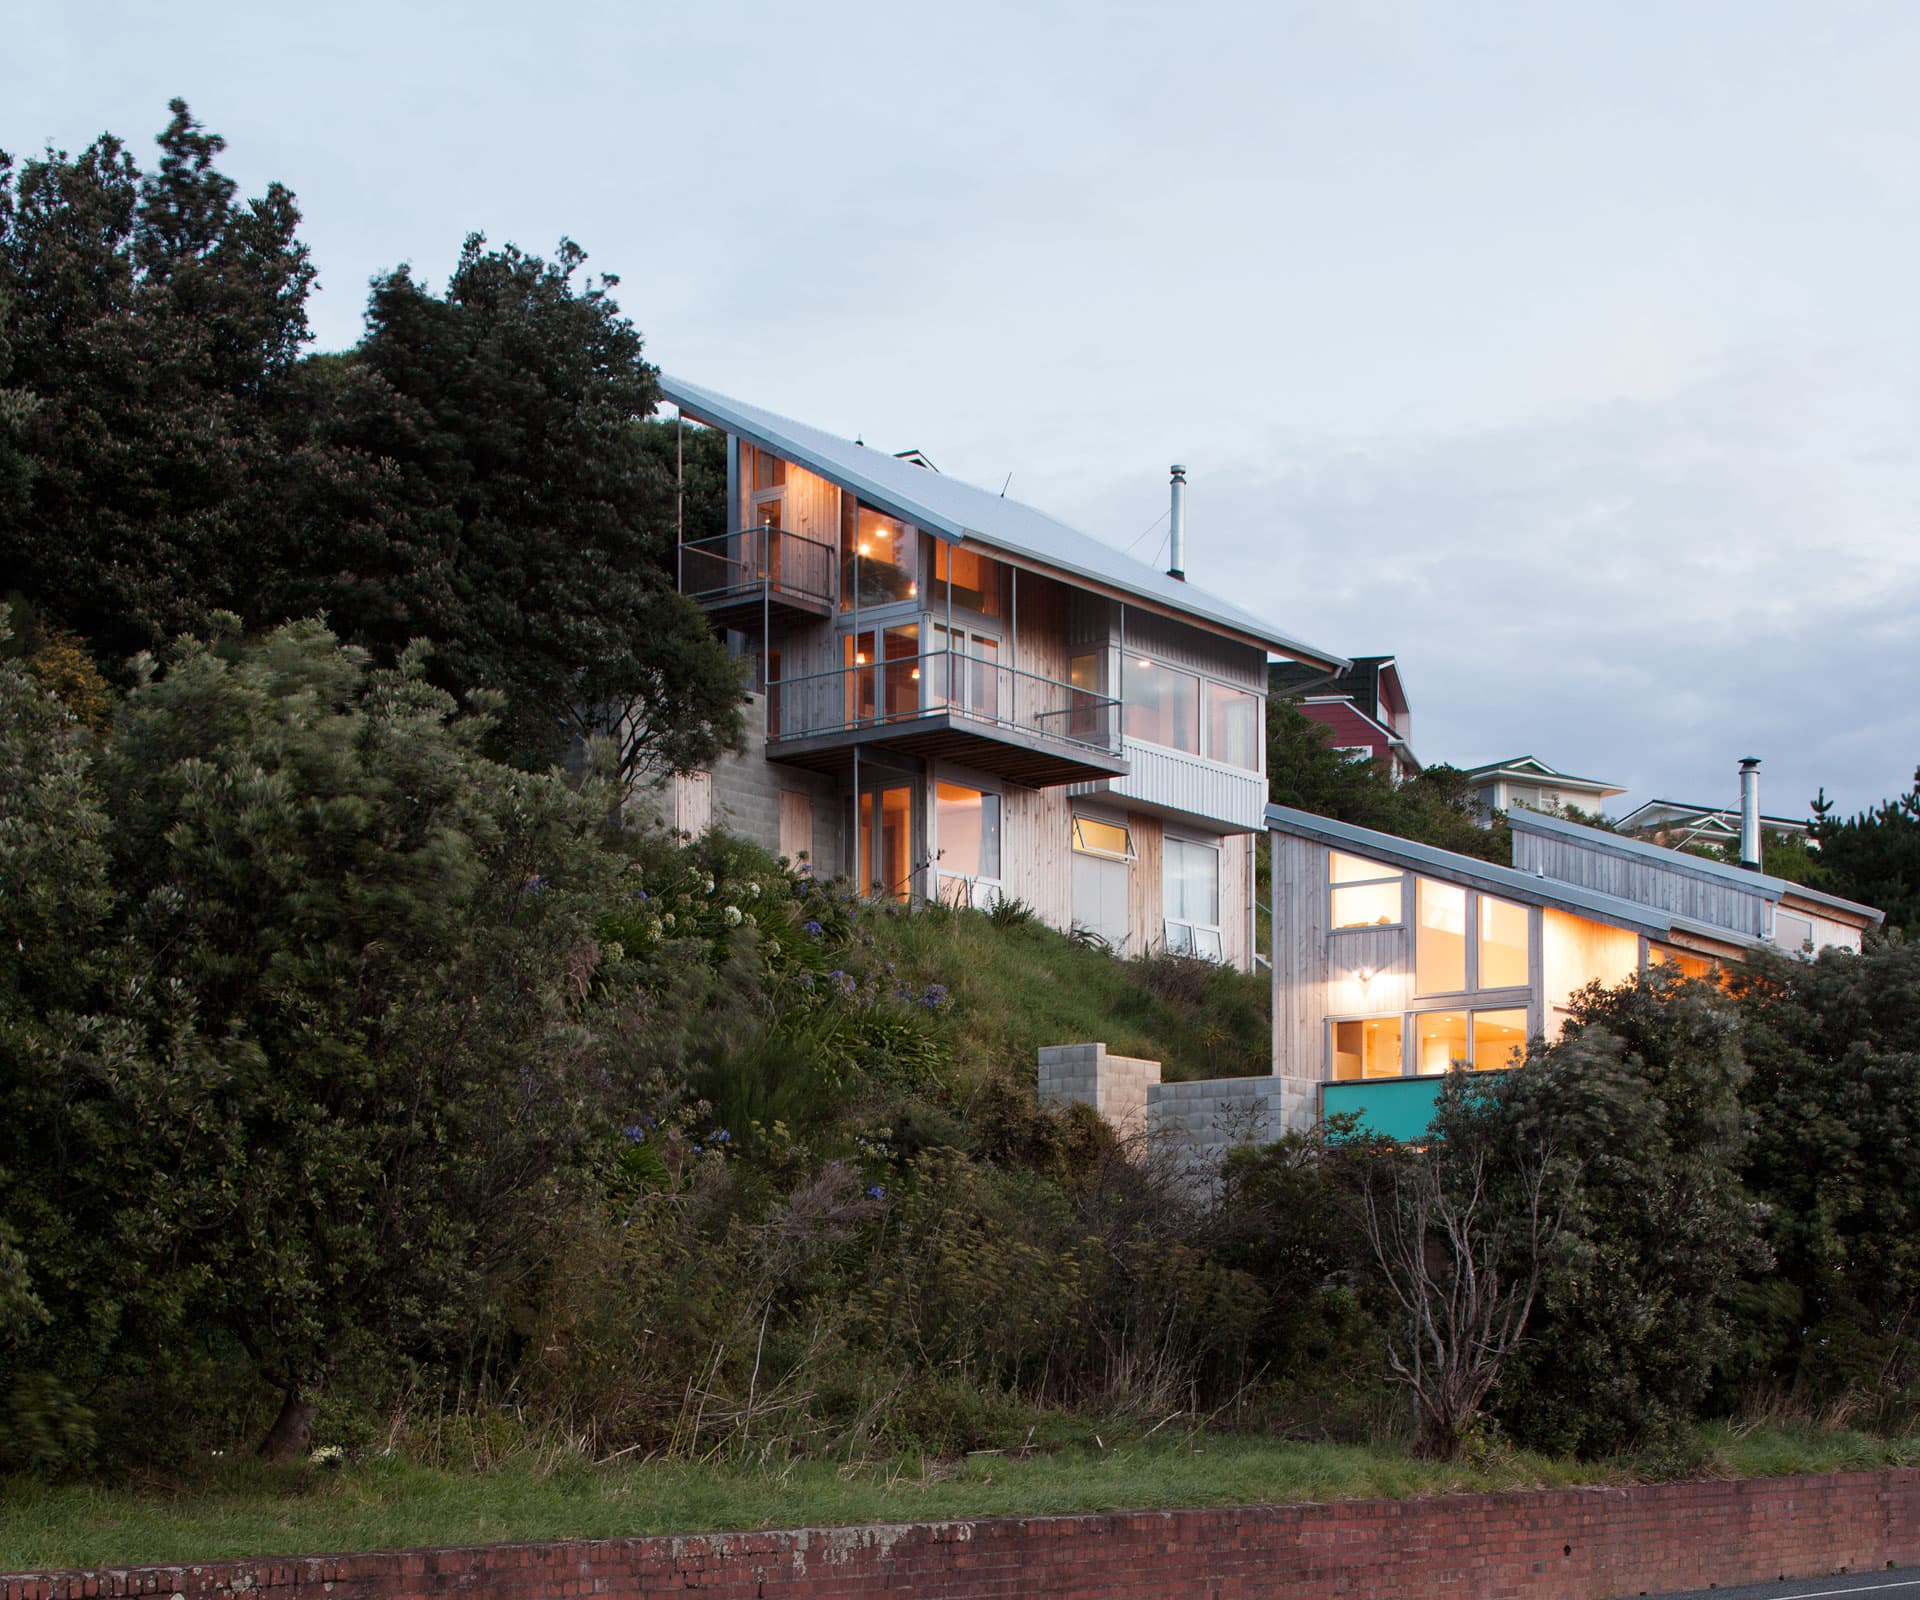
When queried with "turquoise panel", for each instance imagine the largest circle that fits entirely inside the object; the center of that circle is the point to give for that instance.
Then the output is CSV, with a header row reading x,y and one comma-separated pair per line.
x,y
1400,1108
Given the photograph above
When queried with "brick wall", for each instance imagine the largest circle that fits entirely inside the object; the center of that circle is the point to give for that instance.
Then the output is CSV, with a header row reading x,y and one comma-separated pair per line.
x,y
1572,1544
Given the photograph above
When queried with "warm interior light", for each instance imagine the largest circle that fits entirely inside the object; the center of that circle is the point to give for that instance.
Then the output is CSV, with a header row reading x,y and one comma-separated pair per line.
x,y
913,589
1145,662
1366,974
865,549
860,659
916,672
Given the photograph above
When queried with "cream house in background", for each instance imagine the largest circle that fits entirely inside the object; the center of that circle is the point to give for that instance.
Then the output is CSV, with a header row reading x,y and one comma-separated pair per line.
x,y
957,696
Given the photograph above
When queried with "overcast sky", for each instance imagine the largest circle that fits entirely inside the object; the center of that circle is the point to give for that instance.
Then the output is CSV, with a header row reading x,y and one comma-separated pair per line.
x,y
1569,352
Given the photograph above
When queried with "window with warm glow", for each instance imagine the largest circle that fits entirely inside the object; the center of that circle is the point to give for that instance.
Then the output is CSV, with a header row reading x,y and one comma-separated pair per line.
x,y
1233,727
1366,894
1503,944
877,565
1163,704
883,673
973,581
1497,1037
1439,1040
966,827
1440,939
1369,1048
1110,840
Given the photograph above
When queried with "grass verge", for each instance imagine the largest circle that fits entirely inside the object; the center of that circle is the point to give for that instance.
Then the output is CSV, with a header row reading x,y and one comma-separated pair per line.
x,y
244,1509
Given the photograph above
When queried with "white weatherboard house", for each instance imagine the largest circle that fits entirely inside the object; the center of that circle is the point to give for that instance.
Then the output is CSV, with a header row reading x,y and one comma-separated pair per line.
x,y
958,697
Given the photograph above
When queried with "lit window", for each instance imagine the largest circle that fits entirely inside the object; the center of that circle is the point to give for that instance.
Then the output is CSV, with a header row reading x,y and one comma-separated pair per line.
x,y
1192,899
1497,1037
1366,894
969,579
1439,1040
1440,942
1163,704
1369,1048
876,556
1503,944
1107,839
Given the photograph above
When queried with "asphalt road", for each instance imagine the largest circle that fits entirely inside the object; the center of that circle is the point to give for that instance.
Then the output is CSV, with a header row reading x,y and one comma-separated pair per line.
x,y
1864,1585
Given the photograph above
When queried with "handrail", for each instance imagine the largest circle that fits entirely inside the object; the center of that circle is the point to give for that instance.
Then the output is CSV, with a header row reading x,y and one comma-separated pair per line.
x,y
874,693
749,558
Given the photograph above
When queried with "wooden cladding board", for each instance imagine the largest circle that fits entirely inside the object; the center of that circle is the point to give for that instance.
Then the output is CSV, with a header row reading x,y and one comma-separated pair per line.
x,y
796,825
1193,648
813,507
1701,896
1236,894
1040,628
1146,882
1299,956
1035,853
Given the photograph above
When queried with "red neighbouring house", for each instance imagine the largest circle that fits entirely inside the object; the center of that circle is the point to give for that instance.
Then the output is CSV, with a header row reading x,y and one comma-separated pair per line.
x,y
1365,708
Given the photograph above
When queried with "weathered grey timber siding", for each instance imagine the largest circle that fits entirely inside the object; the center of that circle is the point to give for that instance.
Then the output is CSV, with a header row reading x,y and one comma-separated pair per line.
x,y
1700,896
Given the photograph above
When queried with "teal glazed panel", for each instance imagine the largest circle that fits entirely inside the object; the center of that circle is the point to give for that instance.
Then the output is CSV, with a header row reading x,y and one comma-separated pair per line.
x,y
1400,1108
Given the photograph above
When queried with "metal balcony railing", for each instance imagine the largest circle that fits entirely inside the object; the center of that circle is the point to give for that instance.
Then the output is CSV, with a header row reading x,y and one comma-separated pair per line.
x,y
753,562
970,692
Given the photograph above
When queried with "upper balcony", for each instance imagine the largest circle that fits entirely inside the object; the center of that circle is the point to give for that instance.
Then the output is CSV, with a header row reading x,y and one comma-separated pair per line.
x,y
757,576
946,706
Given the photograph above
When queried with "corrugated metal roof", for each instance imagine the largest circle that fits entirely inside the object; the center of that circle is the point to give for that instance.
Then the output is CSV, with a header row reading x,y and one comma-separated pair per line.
x,y
1510,882
963,511
1759,883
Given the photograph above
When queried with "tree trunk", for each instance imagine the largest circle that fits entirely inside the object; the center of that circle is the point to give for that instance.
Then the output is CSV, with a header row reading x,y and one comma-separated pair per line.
x,y
292,1430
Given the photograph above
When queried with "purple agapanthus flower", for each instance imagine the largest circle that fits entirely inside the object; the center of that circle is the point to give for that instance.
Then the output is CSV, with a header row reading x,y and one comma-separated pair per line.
x,y
875,1192
813,930
635,1133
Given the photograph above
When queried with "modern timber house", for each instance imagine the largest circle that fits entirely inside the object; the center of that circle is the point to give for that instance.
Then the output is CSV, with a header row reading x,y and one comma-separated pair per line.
x,y
957,697
1392,960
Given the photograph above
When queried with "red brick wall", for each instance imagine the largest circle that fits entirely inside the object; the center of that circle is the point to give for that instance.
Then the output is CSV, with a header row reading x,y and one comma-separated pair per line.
x,y
1571,1544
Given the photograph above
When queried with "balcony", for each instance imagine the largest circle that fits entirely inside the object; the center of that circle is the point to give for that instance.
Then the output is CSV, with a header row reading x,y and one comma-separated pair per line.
x,y
757,576
945,706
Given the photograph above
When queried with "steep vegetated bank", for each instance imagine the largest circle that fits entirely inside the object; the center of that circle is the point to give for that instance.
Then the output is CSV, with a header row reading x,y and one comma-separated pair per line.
x,y
362,1090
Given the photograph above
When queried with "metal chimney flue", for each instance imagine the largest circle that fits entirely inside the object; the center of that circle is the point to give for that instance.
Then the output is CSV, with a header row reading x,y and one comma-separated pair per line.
x,y
1177,526
1750,813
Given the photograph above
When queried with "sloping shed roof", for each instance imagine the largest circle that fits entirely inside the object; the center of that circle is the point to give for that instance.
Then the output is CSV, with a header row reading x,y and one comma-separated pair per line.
x,y
965,512
1511,883
1759,883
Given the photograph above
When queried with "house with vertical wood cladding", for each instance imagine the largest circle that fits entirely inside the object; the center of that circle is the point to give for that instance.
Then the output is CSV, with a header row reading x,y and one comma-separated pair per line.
x,y
1393,961
958,697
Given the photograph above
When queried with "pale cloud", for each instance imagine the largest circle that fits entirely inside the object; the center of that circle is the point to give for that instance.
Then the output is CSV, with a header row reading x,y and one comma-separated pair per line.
x,y
1569,351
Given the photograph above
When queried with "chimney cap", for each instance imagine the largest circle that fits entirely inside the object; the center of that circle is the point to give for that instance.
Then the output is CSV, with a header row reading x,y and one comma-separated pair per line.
x,y
1749,761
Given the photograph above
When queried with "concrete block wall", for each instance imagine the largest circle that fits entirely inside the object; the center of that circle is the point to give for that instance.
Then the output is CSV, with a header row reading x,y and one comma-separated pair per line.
x,y
1195,1124
1118,1087
746,796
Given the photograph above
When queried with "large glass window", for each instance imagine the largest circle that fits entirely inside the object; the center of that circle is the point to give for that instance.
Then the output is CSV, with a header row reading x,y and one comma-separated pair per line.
x,y
1440,940
1369,1048
966,824
1233,727
877,565
1497,1036
1192,899
1366,894
1503,944
1163,704
969,578
1439,1040
883,682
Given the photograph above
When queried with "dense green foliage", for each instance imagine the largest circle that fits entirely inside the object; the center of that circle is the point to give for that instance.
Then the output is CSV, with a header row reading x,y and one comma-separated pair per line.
x,y
473,473
1874,857
1305,770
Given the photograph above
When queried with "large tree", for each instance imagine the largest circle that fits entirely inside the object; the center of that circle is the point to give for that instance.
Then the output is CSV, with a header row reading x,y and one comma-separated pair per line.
x,y
476,476
145,322
1874,857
